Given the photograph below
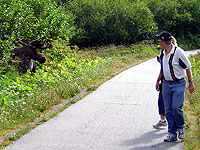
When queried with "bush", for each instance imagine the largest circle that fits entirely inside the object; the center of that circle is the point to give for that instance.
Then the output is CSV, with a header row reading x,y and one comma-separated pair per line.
x,y
188,24
180,17
35,19
111,22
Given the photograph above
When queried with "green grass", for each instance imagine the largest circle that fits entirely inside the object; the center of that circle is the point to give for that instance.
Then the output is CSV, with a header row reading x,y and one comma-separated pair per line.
x,y
25,97
192,109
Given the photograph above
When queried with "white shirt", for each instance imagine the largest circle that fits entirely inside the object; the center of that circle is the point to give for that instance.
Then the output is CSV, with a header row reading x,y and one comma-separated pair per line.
x,y
176,68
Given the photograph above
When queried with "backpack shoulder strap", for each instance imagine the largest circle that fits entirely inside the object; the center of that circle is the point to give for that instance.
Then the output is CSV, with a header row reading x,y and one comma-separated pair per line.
x,y
161,54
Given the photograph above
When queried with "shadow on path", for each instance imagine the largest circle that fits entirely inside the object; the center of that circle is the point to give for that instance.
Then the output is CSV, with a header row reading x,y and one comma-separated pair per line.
x,y
144,142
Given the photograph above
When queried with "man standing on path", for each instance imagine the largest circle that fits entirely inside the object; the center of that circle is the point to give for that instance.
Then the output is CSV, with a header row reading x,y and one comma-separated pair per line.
x,y
174,62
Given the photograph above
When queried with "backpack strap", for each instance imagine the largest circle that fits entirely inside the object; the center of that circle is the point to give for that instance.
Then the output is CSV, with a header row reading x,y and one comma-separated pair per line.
x,y
161,63
171,67
161,54
170,64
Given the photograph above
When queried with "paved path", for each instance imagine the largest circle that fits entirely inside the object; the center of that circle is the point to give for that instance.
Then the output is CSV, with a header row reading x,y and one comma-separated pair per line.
x,y
117,116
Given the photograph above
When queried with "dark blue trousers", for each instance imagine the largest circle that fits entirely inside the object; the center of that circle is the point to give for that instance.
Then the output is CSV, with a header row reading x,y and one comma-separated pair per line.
x,y
161,107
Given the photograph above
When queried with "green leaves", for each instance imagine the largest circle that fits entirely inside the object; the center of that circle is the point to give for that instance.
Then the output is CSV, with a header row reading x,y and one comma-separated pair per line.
x,y
35,19
180,17
97,22
111,22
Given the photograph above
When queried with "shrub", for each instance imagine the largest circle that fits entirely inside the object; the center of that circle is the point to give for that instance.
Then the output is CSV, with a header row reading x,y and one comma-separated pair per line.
x,y
35,19
111,22
180,17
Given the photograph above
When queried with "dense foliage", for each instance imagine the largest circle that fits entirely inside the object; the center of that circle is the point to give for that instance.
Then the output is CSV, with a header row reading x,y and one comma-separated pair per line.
x,y
180,17
131,21
35,19
98,22
111,21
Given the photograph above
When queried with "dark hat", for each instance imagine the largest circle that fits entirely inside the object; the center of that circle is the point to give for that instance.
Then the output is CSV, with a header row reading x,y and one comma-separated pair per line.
x,y
165,36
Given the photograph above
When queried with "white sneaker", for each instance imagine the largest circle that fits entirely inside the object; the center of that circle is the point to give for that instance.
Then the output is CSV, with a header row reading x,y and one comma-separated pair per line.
x,y
171,138
181,134
160,124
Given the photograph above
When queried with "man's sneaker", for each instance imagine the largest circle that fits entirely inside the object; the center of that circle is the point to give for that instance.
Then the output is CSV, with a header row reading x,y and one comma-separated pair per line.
x,y
160,124
171,138
181,134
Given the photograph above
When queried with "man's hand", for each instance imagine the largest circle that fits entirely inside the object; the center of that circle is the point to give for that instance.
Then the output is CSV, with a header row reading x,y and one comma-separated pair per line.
x,y
191,87
157,86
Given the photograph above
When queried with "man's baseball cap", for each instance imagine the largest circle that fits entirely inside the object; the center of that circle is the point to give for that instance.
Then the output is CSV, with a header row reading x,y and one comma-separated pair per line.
x,y
165,36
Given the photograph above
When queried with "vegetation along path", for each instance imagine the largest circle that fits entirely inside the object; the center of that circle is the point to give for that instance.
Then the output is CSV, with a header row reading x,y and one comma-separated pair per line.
x,y
117,116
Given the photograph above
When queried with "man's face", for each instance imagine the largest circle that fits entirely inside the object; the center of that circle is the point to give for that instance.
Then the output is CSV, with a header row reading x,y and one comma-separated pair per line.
x,y
161,43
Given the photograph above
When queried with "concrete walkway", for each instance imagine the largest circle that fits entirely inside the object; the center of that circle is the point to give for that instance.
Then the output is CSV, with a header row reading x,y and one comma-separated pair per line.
x,y
117,116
